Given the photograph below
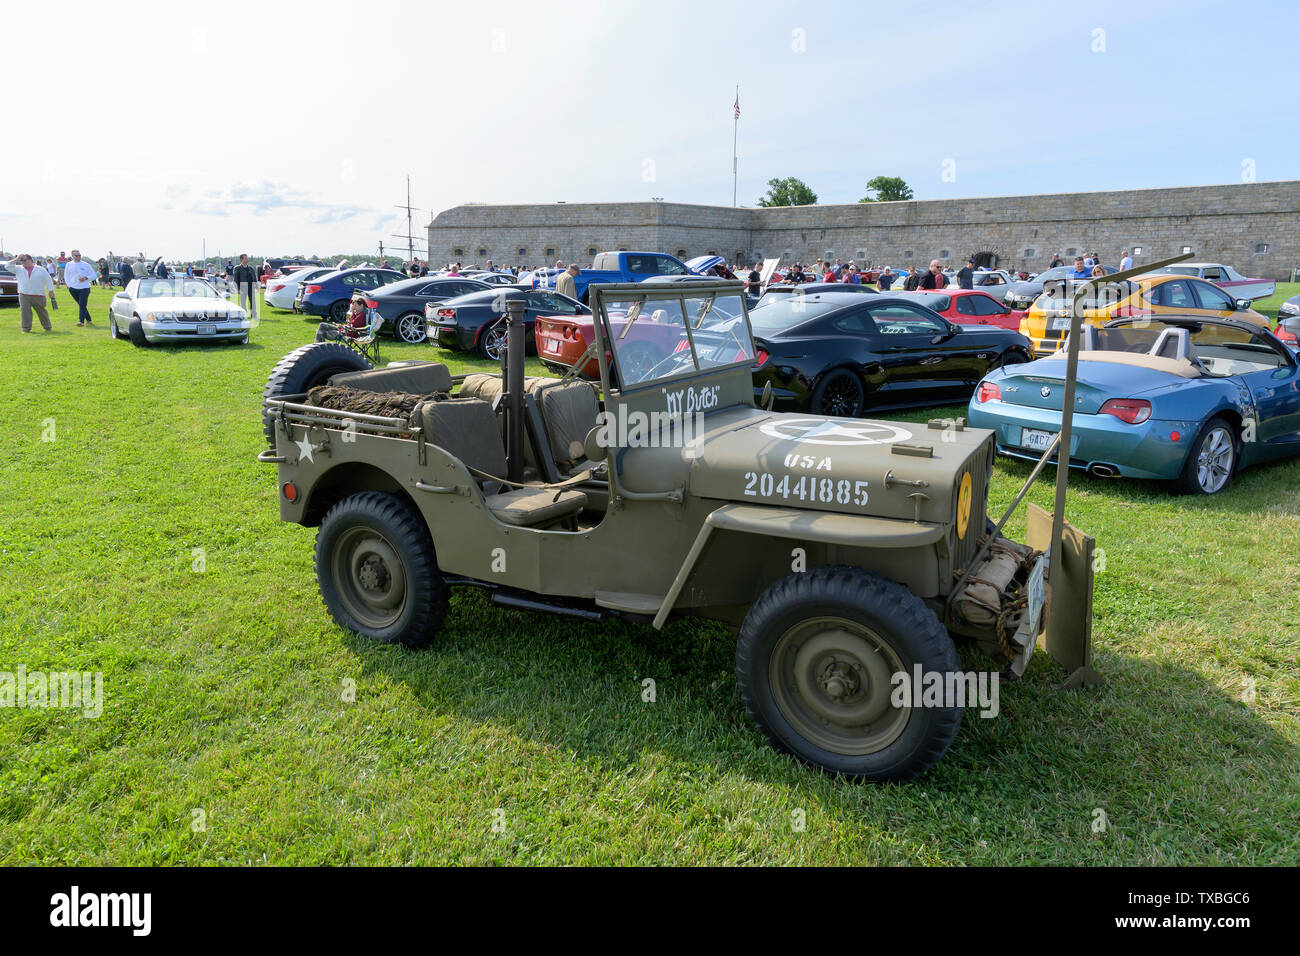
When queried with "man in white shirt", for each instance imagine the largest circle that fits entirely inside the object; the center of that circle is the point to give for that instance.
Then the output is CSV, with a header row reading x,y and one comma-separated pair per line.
x,y
1125,261
78,276
34,284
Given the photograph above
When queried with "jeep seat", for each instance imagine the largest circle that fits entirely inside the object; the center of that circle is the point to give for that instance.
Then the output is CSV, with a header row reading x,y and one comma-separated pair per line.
x,y
569,411
467,429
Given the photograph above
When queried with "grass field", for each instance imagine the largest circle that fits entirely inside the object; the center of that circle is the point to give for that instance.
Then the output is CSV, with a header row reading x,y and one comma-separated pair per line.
x,y
227,735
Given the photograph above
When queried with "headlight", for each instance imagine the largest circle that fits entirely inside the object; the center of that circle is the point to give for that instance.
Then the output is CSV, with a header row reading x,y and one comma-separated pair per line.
x,y
161,316
1290,308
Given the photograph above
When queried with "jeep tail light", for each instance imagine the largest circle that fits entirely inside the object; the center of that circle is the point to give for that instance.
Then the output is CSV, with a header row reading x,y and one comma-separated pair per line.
x,y
290,492
1132,410
987,392
311,289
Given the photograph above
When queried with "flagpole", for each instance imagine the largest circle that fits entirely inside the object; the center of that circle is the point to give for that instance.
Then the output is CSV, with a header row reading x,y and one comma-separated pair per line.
x,y
735,126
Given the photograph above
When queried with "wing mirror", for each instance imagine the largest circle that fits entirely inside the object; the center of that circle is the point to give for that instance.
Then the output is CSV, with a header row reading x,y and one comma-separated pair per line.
x,y
1241,305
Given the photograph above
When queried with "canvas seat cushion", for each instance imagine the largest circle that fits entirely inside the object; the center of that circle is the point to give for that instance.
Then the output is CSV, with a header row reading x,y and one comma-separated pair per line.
x,y
525,507
467,429
569,411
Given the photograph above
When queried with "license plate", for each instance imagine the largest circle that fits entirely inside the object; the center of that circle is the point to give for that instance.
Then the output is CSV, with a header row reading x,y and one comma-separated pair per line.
x,y
1035,440
1037,592
205,329
550,342
1060,323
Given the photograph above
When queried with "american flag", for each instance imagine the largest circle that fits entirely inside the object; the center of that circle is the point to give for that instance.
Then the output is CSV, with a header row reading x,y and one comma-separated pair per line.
x,y
736,106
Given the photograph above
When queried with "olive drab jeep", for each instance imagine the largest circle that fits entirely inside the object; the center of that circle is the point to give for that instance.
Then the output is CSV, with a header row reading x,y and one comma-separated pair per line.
x,y
846,554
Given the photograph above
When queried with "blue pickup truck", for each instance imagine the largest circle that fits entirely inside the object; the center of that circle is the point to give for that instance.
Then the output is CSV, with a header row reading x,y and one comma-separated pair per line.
x,y
635,266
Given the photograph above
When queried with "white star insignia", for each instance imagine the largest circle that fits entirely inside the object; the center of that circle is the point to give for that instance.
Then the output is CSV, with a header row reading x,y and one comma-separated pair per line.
x,y
834,429
304,449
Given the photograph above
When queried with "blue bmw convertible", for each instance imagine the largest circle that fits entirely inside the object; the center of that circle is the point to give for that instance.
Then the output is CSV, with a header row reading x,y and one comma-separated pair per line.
x,y
1182,399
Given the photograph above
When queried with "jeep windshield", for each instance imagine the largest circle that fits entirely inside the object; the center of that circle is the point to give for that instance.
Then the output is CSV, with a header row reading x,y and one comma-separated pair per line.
x,y
674,333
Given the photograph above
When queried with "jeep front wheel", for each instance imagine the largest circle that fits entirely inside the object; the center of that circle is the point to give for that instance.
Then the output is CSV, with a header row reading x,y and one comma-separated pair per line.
x,y
377,572
816,663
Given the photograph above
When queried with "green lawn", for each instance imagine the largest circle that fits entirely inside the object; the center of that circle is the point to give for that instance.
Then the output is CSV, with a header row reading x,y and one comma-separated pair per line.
x,y
225,688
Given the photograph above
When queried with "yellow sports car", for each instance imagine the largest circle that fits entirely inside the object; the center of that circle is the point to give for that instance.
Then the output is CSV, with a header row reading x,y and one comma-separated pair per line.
x,y
1048,319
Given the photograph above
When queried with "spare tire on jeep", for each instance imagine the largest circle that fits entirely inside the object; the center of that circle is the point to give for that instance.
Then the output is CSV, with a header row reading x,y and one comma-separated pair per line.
x,y
305,368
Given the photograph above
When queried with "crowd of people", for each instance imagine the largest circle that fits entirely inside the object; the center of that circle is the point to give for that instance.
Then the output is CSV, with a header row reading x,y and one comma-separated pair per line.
x,y
916,278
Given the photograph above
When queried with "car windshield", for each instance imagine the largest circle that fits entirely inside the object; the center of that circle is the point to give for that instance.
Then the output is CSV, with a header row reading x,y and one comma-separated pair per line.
x,y
775,315
404,287
186,288
1058,294
486,297
934,300
1060,272
1219,349
662,335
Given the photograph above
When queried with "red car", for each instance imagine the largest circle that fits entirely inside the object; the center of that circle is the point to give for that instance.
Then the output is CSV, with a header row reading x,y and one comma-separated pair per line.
x,y
969,307
563,339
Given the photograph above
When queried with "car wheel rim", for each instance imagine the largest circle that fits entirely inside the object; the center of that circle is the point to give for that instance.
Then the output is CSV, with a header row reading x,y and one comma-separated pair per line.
x,y
494,340
840,398
1214,460
370,578
411,329
832,680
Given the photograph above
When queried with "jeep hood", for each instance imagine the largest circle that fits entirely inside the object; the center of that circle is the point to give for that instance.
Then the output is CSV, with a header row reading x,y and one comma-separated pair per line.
x,y
902,470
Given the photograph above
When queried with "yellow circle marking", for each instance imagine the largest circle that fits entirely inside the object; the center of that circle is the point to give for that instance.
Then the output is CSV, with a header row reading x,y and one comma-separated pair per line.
x,y
963,505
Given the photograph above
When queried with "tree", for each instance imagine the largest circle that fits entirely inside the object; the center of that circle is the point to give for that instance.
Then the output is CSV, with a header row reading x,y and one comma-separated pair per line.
x,y
788,192
887,189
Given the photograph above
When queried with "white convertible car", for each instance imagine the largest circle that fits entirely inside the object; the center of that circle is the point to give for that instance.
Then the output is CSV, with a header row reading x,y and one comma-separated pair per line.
x,y
174,311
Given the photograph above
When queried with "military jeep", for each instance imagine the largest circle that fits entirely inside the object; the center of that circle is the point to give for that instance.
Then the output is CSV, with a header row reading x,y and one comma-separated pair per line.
x,y
846,554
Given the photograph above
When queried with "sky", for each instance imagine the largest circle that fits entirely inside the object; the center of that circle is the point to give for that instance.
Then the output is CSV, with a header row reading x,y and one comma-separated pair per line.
x,y
287,129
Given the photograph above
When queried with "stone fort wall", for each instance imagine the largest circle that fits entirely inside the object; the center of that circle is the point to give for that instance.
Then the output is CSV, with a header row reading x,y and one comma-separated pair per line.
x,y
1254,227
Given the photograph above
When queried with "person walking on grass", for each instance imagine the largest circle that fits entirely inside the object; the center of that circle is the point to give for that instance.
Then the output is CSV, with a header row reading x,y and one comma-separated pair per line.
x,y
78,276
245,279
34,284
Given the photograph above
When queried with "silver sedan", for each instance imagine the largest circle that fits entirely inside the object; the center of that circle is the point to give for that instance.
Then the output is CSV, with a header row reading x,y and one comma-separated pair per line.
x,y
175,311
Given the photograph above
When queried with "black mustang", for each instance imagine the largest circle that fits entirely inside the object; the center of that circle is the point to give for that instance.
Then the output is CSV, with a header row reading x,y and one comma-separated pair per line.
x,y
836,353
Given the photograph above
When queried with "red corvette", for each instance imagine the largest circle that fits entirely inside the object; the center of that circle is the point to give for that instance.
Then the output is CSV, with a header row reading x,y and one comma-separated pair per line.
x,y
970,307
563,339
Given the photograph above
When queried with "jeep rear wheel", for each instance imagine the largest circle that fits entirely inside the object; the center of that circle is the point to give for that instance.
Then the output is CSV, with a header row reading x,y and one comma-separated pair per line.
x,y
377,571
816,661
305,368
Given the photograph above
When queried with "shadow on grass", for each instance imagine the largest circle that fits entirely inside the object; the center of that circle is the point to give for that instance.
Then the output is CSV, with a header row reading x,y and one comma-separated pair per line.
x,y
1242,496
577,686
